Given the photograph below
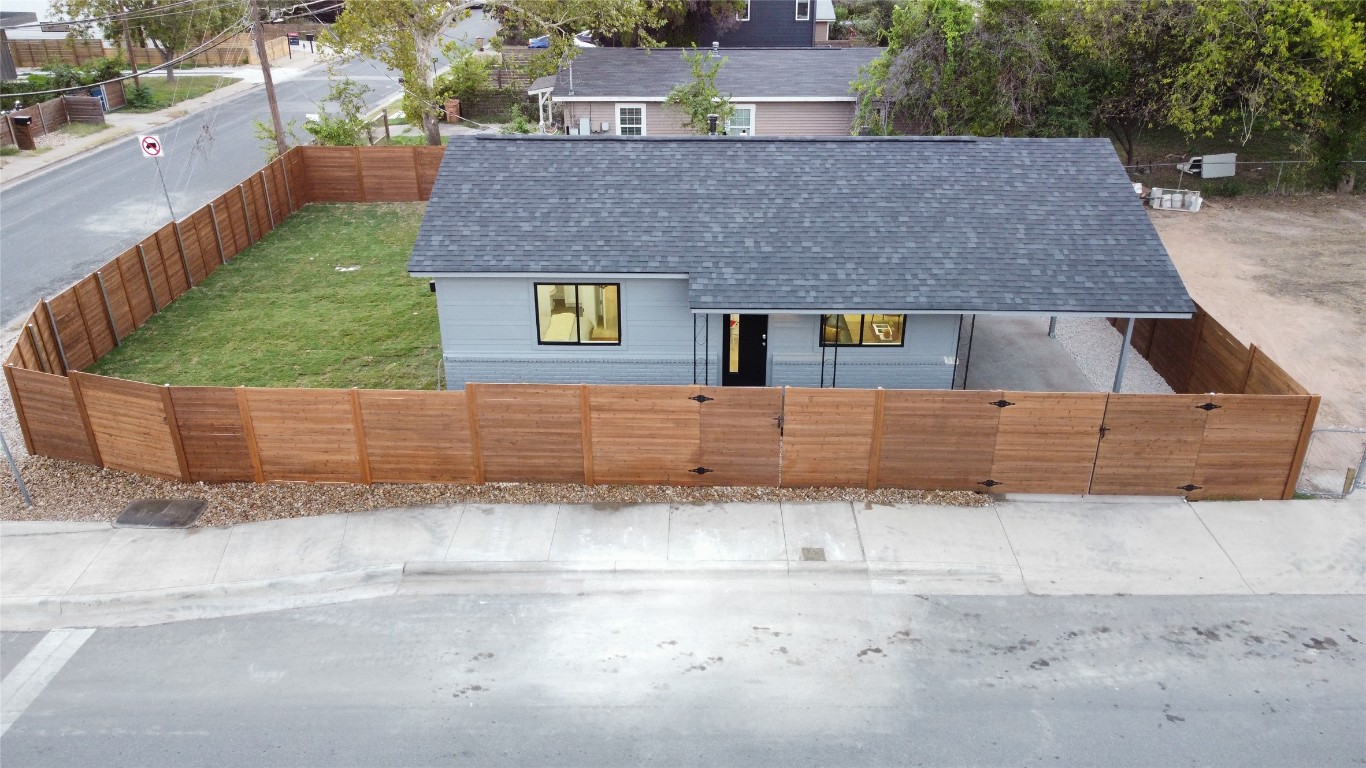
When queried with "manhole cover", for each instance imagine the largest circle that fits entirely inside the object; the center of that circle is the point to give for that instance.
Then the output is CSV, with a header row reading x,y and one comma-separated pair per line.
x,y
813,553
160,513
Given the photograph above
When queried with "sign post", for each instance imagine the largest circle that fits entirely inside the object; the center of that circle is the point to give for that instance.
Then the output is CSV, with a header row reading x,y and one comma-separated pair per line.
x,y
151,146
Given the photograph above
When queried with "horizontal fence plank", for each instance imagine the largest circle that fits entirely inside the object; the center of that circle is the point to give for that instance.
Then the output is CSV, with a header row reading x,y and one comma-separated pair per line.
x,y
130,425
1265,377
740,435
53,417
938,440
1046,441
1249,446
390,174
211,432
529,432
1150,444
826,437
417,437
303,434
644,435
66,314
94,317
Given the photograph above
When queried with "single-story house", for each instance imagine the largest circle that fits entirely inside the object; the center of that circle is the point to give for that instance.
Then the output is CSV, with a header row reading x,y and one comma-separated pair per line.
x,y
772,261
775,91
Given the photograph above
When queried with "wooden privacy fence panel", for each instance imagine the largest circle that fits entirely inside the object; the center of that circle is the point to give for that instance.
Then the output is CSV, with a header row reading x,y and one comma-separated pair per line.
x,y
50,416
739,429
827,435
131,426
938,440
99,329
40,53
390,174
209,422
75,343
528,432
1265,377
332,176
303,434
1046,442
1150,444
1249,450
1220,362
417,437
643,435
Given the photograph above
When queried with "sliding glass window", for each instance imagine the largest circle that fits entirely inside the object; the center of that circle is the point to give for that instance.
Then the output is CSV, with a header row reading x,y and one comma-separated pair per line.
x,y
863,330
578,314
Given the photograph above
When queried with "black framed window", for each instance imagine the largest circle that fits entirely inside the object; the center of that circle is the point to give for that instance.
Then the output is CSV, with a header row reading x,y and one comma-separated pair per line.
x,y
863,330
570,313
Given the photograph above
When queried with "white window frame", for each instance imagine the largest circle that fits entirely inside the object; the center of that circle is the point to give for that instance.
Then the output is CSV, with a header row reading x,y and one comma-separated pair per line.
x,y
641,107
797,10
753,118
745,15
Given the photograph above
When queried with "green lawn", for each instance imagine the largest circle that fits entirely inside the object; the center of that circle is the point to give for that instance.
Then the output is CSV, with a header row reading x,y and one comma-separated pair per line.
x,y
184,88
291,312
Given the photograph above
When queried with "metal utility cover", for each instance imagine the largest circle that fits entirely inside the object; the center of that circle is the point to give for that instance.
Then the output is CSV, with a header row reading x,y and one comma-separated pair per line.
x,y
813,554
160,513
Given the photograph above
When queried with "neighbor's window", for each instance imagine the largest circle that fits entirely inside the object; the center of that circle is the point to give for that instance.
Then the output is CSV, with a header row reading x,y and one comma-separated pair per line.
x,y
630,119
803,10
743,15
741,120
578,314
863,330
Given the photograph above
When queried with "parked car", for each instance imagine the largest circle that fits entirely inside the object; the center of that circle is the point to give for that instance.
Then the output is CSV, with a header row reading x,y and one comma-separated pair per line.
x,y
583,39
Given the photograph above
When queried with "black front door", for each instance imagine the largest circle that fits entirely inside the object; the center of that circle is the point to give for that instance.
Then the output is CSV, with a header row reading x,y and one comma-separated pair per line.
x,y
744,356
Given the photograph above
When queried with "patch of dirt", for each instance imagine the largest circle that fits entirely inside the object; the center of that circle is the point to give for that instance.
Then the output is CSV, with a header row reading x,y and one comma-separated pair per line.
x,y
1289,275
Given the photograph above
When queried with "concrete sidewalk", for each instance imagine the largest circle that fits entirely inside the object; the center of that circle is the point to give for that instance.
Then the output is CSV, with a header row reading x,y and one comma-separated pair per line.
x,y
92,574
124,124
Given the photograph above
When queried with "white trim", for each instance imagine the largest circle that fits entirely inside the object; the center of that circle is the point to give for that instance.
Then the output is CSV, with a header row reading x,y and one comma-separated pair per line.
x,y
753,119
745,15
633,100
796,10
641,107
856,310
580,277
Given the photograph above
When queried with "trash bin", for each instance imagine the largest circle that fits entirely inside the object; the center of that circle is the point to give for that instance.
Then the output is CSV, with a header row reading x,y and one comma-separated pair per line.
x,y
452,110
23,131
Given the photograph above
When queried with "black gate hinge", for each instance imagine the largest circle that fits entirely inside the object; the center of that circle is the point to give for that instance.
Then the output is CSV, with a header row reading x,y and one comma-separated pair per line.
x,y
700,470
1103,430
1208,406
990,483
1001,403
701,398
779,421
1188,487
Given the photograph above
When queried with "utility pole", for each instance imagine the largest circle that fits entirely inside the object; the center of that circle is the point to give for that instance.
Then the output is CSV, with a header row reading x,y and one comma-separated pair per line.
x,y
128,44
258,33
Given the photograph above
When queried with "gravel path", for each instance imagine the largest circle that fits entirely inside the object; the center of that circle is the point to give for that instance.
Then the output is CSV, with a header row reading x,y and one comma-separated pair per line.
x,y
1094,344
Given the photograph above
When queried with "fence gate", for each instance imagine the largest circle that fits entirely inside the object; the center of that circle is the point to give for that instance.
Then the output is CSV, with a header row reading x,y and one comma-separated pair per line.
x,y
741,430
1149,445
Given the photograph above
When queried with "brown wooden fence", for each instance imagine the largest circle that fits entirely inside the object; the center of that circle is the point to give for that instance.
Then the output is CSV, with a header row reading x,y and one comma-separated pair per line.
x,y
52,115
234,51
1248,441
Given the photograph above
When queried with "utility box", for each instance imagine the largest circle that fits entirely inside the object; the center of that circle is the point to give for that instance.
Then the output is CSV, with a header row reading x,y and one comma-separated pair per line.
x,y
1211,166
23,131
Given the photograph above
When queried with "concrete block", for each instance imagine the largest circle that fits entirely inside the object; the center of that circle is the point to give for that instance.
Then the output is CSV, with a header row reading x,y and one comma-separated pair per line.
x,y
504,532
609,533
726,532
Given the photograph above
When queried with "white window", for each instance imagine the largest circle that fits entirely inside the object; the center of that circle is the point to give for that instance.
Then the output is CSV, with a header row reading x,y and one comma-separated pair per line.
x,y
741,120
630,119
743,15
803,10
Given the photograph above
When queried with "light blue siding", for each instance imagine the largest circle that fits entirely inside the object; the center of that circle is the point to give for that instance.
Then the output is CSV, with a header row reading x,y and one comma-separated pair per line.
x,y
488,334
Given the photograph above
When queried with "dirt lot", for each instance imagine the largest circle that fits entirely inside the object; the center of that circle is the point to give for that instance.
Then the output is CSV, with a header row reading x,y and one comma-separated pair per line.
x,y
1289,275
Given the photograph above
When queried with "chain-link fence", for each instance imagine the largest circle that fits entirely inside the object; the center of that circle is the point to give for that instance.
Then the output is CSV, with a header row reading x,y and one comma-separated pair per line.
x,y
1335,464
1253,177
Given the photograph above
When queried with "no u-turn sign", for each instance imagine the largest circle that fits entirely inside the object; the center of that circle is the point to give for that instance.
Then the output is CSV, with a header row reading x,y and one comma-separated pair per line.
x,y
151,146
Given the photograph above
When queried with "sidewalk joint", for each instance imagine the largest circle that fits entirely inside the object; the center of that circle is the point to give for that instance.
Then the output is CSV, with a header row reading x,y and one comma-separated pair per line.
x,y
1220,544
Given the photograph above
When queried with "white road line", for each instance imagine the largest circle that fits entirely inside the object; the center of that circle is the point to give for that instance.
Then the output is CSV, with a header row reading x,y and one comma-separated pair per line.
x,y
29,677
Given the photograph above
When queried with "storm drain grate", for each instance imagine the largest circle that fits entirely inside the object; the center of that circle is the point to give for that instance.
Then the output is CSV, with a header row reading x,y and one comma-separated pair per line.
x,y
160,513
813,553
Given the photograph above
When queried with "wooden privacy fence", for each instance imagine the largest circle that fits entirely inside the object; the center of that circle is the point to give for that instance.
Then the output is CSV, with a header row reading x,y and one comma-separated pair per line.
x,y
53,114
234,51
1247,442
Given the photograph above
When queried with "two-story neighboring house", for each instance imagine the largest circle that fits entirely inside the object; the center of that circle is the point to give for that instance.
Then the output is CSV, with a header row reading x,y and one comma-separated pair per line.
x,y
771,23
775,91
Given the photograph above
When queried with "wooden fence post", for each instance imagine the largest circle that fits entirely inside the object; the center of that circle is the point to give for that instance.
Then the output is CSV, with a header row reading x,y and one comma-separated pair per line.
x,y
362,450
1247,372
284,175
1195,348
476,450
1311,412
19,409
75,380
108,310
586,433
246,214
249,433
360,175
217,235
174,426
265,187
184,259
875,445
61,350
147,273
38,347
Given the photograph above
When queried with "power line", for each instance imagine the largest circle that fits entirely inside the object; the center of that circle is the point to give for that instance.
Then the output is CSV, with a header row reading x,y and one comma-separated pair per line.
x,y
133,15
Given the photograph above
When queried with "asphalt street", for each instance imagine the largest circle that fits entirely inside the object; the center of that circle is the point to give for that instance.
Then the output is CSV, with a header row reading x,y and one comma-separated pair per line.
x,y
735,676
58,226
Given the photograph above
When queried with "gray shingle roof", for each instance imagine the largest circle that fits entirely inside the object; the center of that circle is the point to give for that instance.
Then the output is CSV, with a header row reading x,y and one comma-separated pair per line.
x,y
918,225
641,73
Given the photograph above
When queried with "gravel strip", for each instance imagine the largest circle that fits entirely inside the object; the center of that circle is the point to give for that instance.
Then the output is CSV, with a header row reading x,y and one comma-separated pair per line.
x,y
1094,344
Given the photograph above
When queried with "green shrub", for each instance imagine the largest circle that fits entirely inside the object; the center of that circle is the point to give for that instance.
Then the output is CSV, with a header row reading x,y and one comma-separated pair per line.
x,y
1226,188
139,97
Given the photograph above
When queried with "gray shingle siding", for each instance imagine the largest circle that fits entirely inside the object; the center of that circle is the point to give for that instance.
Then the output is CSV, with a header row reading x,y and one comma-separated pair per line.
x,y
768,224
644,73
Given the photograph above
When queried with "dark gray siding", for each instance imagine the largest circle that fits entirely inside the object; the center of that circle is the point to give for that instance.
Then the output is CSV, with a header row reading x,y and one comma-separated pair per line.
x,y
772,23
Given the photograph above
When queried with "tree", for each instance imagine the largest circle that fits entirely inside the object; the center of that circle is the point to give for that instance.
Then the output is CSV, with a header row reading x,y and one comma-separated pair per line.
x,y
347,128
404,34
698,97
467,77
172,31
1265,63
